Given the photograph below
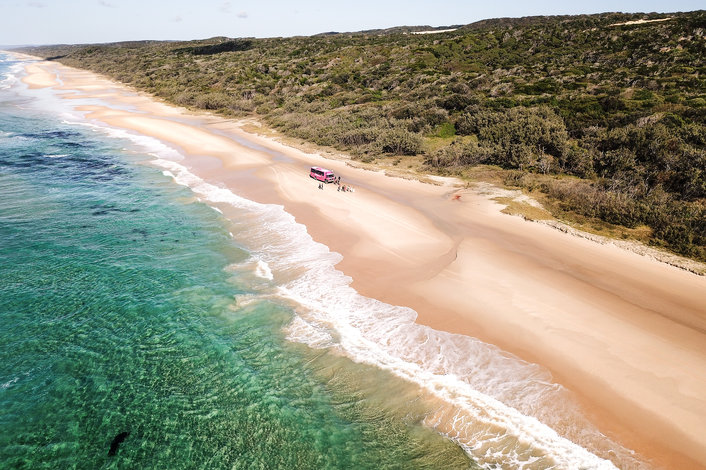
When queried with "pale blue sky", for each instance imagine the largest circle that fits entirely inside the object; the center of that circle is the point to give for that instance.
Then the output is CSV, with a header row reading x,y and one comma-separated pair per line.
x,y
92,21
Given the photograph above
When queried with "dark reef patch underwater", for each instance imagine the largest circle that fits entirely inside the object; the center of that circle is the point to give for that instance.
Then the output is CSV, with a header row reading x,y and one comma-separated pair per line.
x,y
117,440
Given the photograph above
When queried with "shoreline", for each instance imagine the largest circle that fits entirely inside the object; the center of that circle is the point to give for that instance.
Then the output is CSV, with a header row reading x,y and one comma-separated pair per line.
x,y
549,298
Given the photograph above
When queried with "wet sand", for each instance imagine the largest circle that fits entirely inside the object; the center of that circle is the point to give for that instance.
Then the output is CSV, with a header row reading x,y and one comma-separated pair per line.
x,y
625,333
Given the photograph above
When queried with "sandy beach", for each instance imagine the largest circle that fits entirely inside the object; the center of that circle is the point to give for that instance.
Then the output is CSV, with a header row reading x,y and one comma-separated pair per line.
x,y
626,334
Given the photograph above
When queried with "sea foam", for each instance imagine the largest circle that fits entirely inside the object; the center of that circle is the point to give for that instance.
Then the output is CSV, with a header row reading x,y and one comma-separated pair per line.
x,y
150,145
263,270
11,76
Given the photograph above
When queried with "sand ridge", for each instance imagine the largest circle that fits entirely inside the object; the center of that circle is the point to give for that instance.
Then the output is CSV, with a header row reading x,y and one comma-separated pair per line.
x,y
624,332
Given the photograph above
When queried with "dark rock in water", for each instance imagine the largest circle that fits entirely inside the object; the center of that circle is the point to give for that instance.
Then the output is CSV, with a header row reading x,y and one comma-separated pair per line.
x,y
116,442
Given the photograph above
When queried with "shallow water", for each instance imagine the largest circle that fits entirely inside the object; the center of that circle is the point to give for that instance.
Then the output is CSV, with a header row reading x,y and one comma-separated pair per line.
x,y
224,338
119,315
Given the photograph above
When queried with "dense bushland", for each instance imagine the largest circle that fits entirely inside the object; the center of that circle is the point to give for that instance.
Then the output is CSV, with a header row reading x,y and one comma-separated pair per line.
x,y
619,107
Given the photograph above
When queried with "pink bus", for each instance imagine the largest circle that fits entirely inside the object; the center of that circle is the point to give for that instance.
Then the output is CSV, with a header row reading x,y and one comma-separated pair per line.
x,y
322,174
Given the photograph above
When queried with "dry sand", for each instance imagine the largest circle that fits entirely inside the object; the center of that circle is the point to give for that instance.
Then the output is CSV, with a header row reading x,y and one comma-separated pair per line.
x,y
39,77
624,332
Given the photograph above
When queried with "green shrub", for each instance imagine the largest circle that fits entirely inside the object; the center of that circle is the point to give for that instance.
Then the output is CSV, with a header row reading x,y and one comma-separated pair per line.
x,y
398,141
445,130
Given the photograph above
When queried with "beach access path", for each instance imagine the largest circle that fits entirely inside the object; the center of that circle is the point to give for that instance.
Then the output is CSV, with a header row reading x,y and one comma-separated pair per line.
x,y
624,332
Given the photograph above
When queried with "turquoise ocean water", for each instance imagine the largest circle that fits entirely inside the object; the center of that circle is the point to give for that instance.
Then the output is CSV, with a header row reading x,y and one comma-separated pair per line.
x,y
131,303
117,314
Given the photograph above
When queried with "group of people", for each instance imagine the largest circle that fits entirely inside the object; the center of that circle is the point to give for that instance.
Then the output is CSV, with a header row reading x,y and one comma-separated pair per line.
x,y
339,186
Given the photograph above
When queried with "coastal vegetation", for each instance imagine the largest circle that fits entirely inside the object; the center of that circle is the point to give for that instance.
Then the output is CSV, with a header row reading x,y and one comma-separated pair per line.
x,y
603,115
